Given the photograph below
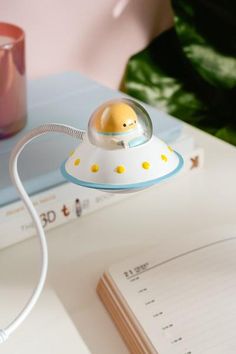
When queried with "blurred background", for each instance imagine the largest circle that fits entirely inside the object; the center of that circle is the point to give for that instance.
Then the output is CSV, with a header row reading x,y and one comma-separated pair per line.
x,y
88,36
179,56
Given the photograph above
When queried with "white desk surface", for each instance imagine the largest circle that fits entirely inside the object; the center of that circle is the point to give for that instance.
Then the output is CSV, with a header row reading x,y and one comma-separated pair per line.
x,y
181,213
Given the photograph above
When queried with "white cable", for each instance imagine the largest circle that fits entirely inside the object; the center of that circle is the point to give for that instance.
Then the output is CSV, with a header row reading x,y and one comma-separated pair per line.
x,y
43,129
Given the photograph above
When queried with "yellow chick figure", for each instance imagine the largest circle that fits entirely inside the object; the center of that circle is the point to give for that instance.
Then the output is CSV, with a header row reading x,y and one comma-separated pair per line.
x,y
117,124
116,118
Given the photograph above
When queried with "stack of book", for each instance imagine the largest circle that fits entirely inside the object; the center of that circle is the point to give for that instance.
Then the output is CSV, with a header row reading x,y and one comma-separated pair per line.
x,y
68,98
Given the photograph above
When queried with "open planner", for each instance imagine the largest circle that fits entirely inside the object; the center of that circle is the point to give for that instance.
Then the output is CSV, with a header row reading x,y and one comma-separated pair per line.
x,y
185,304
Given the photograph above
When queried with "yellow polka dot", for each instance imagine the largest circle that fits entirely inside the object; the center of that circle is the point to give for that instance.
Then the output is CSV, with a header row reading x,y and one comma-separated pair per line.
x,y
164,158
170,149
120,169
71,152
146,165
77,162
95,168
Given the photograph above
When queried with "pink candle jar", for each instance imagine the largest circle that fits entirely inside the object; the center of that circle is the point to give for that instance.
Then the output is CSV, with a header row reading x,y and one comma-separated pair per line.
x,y
12,80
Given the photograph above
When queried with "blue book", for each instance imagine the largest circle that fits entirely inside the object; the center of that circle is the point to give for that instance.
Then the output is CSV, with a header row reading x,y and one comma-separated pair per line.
x,y
68,98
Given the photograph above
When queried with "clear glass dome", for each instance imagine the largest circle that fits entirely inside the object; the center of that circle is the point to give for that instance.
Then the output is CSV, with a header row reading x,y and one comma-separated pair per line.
x,y
119,124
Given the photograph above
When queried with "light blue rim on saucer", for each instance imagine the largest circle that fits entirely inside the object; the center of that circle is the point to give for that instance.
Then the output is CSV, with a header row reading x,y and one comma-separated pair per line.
x,y
117,187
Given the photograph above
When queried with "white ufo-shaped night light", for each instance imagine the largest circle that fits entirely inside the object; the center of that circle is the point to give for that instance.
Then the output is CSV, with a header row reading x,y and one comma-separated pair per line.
x,y
119,152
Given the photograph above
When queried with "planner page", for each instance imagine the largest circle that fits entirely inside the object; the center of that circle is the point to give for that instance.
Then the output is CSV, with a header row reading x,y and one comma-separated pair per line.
x,y
186,304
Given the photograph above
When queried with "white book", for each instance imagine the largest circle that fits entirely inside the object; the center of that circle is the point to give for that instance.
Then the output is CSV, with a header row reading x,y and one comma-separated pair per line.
x,y
55,207
68,202
175,303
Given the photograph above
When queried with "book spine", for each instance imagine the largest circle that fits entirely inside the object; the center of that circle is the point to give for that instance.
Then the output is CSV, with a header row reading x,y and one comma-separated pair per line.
x,y
65,203
55,207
